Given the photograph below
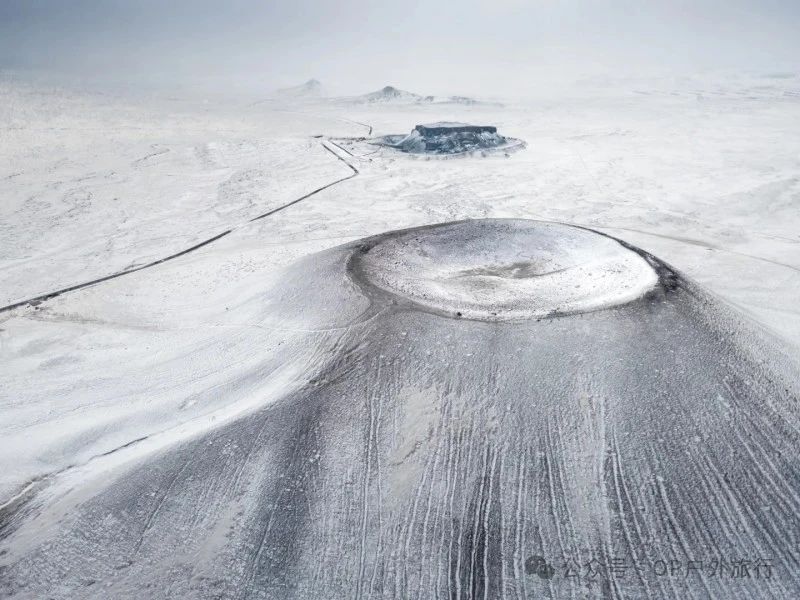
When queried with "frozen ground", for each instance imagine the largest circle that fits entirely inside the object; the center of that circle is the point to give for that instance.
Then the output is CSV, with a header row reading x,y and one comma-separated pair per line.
x,y
98,383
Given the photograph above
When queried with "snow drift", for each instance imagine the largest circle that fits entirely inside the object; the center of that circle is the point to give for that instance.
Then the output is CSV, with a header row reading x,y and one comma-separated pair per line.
x,y
491,400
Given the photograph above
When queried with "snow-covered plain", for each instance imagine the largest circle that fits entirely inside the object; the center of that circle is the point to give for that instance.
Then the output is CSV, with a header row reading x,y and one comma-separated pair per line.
x,y
99,382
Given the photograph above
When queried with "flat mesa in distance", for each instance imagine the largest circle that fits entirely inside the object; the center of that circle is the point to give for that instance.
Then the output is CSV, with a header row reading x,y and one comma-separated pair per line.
x,y
451,138
449,127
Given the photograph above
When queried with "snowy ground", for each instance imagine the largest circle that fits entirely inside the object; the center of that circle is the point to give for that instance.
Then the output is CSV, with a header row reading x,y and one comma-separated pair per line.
x,y
705,176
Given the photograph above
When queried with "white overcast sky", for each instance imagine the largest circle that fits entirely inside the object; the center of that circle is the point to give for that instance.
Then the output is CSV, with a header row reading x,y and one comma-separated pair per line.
x,y
466,46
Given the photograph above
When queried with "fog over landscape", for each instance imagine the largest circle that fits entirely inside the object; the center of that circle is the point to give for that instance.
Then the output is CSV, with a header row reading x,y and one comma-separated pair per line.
x,y
400,300
509,47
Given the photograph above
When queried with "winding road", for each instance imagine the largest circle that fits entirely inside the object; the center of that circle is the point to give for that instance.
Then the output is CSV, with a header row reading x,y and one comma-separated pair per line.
x,y
36,300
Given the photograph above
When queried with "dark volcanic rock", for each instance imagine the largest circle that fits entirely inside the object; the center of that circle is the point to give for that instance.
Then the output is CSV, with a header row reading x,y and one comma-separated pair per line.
x,y
450,138
435,129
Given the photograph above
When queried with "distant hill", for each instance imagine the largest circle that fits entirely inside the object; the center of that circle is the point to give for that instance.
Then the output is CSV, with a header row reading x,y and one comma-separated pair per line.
x,y
310,89
391,94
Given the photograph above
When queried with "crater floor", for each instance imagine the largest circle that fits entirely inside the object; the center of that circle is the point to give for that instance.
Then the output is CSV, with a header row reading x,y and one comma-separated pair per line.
x,y
504,269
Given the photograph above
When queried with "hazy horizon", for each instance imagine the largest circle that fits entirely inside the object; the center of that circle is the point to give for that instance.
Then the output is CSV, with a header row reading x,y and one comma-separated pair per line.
x,y
483,47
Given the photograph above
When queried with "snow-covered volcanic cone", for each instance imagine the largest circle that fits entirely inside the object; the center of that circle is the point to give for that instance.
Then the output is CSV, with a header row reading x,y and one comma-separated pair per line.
x,y
592,425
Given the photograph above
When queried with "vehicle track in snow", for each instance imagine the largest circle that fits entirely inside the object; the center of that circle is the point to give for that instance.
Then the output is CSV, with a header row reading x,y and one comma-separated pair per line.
x,y
36,300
